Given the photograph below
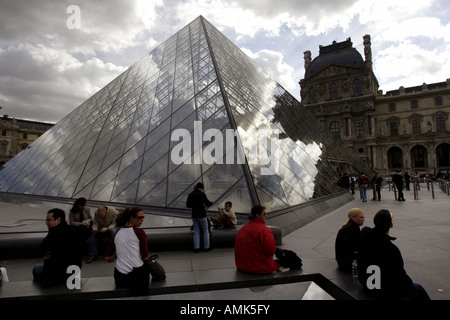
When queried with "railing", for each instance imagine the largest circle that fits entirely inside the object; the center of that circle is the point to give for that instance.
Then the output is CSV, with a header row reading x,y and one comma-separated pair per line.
x,y
443,184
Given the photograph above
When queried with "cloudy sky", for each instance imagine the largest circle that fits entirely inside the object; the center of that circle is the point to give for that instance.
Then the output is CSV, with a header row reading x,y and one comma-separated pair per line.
x,y
48,69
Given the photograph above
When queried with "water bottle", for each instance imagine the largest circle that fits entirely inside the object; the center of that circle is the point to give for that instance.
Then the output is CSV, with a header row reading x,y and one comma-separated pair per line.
x,y
355,268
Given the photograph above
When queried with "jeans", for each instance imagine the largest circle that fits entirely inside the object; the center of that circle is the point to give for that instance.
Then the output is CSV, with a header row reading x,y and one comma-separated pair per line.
x,y
46,279
38,270
93,240
201,226
363,189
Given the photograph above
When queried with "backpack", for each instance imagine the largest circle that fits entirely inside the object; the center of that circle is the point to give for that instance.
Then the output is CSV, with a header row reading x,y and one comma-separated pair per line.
x,y
288,259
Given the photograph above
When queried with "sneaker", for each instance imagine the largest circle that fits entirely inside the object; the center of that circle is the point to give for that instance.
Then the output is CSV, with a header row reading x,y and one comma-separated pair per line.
x,y
91,259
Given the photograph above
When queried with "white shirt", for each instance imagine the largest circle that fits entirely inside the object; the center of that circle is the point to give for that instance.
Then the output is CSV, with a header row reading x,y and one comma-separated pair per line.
x,y
128,250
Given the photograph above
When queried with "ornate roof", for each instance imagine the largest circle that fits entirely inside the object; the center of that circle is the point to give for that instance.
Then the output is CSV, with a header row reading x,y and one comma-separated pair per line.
x,y
341,53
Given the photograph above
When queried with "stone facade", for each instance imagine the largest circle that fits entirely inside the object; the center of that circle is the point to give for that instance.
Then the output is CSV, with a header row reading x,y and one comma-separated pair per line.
x,y
16,135
405,129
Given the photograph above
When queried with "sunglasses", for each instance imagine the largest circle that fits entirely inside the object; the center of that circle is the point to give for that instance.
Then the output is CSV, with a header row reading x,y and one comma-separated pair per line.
x,y
140,217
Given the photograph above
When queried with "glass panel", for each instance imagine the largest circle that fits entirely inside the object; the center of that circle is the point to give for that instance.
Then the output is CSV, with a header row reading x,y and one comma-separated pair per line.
x,y
155,153
238,195
181,178
152,177
128,195
127,176
157,197
220,178
105,183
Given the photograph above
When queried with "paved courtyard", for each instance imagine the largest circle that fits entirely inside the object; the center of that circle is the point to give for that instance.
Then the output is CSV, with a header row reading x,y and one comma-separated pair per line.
x,y
422,228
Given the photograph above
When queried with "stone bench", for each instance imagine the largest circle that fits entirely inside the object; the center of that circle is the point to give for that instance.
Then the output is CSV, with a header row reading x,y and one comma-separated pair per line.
x,y
22,245
175,283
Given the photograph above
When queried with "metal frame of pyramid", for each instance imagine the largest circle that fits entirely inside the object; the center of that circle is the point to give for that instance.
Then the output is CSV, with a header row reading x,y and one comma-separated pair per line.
x,y
118,146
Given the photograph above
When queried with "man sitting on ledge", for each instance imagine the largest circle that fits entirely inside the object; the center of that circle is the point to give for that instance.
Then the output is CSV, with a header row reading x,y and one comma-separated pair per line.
x,y
226,218
255,245
61,248
379,253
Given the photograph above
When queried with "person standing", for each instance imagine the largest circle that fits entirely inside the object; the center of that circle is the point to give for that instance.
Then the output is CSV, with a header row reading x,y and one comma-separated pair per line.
x,y
255,245
407,177
398,181
130,249
61,248
352,183
198,201
363,182
345,181
377,180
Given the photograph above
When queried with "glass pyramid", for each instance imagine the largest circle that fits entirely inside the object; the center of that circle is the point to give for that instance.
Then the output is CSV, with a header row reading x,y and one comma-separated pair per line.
x,y
194,109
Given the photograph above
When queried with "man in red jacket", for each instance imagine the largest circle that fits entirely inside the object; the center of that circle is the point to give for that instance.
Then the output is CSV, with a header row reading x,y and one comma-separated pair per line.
x,y
255,245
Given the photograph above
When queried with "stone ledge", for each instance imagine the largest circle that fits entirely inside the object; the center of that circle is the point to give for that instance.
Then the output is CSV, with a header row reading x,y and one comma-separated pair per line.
x,y
21,245
176,282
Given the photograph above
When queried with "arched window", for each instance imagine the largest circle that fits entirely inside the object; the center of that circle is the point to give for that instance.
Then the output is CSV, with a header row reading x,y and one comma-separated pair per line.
x,y
395,158
335,128
357,87
443,156
333,91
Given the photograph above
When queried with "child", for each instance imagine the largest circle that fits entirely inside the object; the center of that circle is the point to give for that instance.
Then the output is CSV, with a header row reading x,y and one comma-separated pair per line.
x,y
226,218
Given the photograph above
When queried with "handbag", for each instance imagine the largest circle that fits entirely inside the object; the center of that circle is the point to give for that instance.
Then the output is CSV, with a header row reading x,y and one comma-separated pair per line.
x,y
155,269
288,259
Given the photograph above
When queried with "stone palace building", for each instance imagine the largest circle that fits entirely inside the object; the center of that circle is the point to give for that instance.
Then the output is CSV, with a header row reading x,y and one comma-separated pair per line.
x,y
17,135
405,129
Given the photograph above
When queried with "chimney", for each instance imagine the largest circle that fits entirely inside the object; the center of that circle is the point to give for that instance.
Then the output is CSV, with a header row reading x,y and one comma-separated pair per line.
x,y
307,57
368,51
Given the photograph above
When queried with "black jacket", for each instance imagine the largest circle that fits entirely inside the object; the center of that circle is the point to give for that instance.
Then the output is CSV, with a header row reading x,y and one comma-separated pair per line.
x,y
346,245
377,249
64,243
198,201
398,180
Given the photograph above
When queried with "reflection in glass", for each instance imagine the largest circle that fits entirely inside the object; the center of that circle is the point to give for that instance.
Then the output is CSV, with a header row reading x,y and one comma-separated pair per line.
x,y
117,146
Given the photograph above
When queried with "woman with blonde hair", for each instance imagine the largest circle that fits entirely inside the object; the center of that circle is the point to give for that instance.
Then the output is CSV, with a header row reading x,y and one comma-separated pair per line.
x,y
347,240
